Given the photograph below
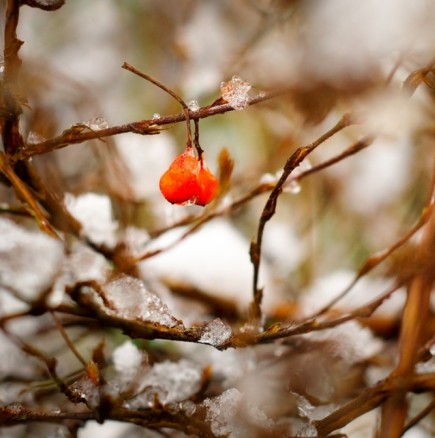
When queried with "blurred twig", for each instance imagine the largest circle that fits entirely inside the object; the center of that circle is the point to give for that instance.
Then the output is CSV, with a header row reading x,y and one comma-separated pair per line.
x,y
25,195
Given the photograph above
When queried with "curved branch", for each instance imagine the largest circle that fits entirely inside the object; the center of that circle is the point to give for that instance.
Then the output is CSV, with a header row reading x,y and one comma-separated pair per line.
x,y
269,209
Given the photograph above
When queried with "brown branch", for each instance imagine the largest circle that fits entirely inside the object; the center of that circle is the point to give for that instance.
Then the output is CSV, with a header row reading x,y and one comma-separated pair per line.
x,y
50,362
412,333
139,329
67,340
15,414
371,398
45,5
143,127
313,324
269,209
12,62
10,108
376,259
170,92
417,418
26,196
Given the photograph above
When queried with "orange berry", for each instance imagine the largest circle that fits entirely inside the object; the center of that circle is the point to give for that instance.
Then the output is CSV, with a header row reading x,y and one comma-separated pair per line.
x,y
188,181
208,185
179,183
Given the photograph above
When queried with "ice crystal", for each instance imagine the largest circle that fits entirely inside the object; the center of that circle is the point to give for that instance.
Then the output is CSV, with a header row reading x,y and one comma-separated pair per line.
x,y
34,138
193,105
215,333
268,178
85,390
131,300
292,186
235,92
96,124
156,116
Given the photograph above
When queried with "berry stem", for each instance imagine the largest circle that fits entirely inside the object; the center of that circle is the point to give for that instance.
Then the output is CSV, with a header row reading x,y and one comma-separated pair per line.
x,y
198,147
172,93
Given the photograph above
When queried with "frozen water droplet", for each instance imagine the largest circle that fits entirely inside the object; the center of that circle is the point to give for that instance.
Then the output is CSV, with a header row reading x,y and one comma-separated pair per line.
x,y
156,116
96,124
215,333
188,407
85,389
306,164
34,138
293,187
193,105
190,202
235,92
2,65
268,178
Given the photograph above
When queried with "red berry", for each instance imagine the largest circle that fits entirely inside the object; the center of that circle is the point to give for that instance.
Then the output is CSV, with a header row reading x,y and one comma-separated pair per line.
x,y
208,185
188,181
179,183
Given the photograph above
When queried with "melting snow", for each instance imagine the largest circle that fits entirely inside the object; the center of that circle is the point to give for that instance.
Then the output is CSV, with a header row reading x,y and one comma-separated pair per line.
x,y
94,212
127,359
29,261
223,413
215,259
131,300
170,382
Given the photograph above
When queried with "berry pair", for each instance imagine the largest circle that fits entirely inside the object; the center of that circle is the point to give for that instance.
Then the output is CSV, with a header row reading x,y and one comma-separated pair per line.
x,y
188,181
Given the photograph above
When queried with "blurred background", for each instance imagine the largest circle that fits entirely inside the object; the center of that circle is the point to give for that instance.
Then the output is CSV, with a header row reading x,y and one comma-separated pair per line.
x,y
331,57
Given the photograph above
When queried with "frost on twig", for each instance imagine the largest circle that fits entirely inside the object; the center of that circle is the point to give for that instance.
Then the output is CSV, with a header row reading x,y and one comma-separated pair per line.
x,y
129,299
215,333
235,92
96,124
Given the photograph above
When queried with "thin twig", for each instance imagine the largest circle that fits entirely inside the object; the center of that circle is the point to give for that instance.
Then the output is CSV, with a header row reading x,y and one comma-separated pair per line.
x,y
417,418
25,195
68,340
269,209
170,92
142,127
